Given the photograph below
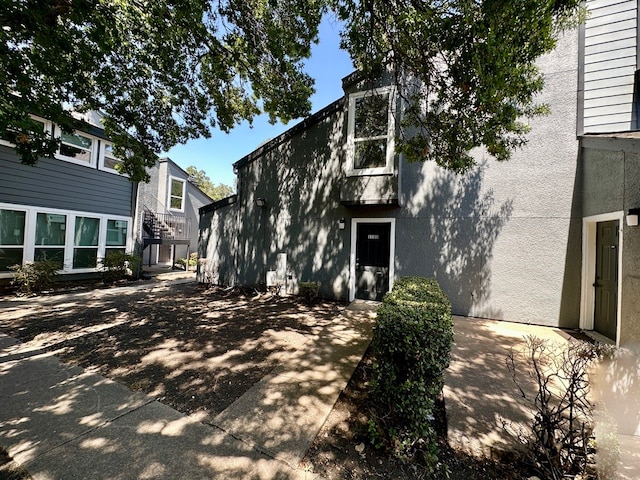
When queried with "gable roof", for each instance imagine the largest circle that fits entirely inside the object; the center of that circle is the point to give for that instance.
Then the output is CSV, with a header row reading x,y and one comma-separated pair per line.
x,y
295,130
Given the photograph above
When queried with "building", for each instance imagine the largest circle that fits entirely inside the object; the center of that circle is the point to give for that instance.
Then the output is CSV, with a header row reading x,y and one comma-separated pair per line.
x,y
73,209
530,240
168,214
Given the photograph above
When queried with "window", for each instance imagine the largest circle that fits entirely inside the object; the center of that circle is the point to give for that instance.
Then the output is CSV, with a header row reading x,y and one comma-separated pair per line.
x,y
370,138
85,251
11,137
51,230
116,236
77,148
108,161
176,194
12,223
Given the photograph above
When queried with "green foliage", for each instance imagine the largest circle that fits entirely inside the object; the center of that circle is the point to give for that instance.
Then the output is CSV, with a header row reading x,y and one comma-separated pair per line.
x,y
411,348
203,182
466,69
162,72
35,277
117,265
308,291
193,260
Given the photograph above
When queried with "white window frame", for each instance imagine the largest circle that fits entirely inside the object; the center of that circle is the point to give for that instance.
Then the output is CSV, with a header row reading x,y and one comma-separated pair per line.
x,y
30,235
46,128
18,208
184,194
352,256
103,154
351,140
94,146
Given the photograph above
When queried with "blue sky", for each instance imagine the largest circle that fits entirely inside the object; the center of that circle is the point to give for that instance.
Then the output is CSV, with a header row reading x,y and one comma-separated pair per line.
x,y
327,65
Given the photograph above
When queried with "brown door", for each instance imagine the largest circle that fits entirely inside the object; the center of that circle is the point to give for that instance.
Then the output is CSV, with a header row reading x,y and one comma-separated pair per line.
x,y
606,284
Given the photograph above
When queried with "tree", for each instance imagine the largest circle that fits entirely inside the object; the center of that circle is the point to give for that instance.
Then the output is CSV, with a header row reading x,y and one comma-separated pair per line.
x,y
201,180
466,68
167,71
162,72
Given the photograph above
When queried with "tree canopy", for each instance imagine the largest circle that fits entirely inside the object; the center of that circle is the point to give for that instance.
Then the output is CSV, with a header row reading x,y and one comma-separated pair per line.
x,y
167,71
204,183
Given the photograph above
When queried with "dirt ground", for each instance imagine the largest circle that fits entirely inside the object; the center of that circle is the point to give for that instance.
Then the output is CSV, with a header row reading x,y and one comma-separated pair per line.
x,y
198,349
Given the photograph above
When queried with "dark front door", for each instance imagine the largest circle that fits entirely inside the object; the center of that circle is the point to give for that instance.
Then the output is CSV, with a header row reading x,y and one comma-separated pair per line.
x,y
373,248
606,285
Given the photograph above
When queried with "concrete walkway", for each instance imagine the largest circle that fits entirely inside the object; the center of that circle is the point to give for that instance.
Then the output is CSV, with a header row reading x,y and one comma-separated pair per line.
x,y
59,421
484,407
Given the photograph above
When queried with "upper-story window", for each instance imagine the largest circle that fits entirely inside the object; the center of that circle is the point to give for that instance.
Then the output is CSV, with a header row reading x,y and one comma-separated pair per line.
x,y
77,148
108,161
176,194
11,137
371,130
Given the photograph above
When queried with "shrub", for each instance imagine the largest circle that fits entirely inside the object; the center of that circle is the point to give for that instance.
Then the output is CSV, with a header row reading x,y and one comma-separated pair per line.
x,y
411,349
308,291
35,277
193,260
117,265
561,440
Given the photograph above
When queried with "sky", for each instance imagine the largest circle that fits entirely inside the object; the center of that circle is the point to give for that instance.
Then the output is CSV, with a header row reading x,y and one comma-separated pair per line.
x,y
215,155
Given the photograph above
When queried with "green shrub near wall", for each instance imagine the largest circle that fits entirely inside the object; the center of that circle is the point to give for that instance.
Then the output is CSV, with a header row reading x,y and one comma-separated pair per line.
x,y
411,347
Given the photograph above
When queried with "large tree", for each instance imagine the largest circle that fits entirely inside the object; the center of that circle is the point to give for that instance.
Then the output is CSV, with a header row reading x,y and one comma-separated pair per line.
x,y
166,71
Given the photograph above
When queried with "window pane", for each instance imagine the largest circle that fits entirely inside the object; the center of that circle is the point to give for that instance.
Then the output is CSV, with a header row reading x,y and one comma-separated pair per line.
x,y
10,257
110,161
12,227
77,140
77,153
371,116
176,188
53,254
176,203
370,154
87,230
113,250
85,257
50,229
116,232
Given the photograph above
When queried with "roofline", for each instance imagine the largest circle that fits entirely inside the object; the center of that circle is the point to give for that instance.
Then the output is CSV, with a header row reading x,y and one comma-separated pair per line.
x,y
168,159
225,202
296,129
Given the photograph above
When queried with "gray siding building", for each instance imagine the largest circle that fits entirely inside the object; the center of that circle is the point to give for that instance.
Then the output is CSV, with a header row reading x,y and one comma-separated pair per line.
x,y
73,209
549,237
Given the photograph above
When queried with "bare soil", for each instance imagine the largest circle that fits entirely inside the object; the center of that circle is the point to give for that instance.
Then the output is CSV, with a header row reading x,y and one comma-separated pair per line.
x,y
198,349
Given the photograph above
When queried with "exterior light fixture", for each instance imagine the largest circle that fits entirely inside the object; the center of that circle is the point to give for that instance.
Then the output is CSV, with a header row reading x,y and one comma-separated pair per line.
x,y
341,224
261,202
632,217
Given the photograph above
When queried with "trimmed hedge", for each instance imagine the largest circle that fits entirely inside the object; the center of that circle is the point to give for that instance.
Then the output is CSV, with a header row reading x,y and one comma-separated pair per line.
x,y
411,349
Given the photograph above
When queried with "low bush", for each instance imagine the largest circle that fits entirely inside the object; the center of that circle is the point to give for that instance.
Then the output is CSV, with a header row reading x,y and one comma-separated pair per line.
x,y
35,277
411,348
308,291
118,265
193,261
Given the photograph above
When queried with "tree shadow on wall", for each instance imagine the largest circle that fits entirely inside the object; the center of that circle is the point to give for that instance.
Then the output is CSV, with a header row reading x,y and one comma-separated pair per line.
x,y
458,224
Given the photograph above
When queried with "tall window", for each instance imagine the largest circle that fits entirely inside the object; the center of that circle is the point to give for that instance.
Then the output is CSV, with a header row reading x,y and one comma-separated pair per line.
x,y
50,237
85,251
370,132
11,137
176,194
116,236
11,238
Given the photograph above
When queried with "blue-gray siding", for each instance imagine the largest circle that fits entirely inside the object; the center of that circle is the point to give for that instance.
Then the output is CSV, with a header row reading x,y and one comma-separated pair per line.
x,y
63,185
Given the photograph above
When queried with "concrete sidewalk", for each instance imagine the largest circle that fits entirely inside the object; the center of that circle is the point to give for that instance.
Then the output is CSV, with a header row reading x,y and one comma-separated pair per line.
x,y
59,421
482,399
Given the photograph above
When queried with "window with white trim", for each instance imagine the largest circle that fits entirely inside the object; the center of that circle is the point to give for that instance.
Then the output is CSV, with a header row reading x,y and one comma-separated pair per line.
x,y
108,160
370,132
78,148
116,236
12,237
11,137
50,241
177,188
85,242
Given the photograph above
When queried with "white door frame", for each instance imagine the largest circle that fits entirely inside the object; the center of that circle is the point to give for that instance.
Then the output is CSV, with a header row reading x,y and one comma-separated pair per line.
x,y
392,251
589,237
